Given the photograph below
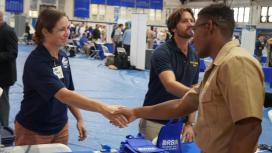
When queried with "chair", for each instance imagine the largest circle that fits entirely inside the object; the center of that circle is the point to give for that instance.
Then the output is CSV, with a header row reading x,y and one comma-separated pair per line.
x,y
95,53
106,51
77,44
41,148
109,56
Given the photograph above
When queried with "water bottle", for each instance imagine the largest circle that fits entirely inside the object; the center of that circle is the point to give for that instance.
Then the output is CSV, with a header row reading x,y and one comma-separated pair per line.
x,y
106,149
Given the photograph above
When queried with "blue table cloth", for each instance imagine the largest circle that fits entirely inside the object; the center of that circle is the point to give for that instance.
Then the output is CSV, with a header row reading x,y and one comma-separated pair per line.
x,y
202,65
186,148
267,74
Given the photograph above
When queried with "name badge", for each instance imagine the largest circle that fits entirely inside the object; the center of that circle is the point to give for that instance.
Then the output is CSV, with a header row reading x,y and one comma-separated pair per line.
x,y
58,72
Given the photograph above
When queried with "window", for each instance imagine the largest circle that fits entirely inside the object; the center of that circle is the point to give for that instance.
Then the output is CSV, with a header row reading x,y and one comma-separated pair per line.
x,y
139,10
241,14
246,14
270,14
123,12
235,13
158,15
151,15
102,12
196,11
168,12
94,9
266,15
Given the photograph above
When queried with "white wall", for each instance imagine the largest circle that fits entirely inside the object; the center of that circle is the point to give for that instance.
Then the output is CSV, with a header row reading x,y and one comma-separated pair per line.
x,y
2,5
138,40
69,8
248,40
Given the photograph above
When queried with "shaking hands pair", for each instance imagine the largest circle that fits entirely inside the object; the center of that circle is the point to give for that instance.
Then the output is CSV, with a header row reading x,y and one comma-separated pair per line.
x,y
119,116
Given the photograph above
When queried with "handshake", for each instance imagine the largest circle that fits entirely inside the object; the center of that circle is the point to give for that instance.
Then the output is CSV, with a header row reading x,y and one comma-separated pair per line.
x,y
119,116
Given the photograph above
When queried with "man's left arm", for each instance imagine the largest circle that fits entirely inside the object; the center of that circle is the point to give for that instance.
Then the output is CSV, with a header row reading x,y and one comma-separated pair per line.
x,y
11,50
80,123
243,91
245,136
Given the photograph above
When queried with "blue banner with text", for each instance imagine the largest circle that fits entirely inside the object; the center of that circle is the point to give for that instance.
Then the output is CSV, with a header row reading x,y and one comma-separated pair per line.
x,y
15,6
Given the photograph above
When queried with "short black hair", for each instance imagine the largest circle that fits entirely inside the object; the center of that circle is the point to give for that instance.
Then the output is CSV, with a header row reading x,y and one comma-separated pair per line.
x,y
221,15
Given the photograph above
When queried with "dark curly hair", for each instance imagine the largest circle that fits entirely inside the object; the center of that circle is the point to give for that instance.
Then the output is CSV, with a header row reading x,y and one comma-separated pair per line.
x,y
175,17
47,19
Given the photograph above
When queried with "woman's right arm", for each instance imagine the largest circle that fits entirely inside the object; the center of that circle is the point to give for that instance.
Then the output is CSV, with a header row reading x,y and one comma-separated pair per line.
x,y
72,98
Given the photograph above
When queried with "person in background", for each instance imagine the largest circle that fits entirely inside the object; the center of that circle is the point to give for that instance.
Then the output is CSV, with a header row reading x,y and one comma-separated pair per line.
x,y
49,89
168,35
174,69
114,27
27,31
103,33
259,46
230,98
269,51
89,32
150,37
127,38
118,36
96,33
8,76
81,29
83,39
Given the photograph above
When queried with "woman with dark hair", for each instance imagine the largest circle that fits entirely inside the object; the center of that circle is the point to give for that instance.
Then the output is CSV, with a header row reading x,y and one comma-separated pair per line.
x,y
48,88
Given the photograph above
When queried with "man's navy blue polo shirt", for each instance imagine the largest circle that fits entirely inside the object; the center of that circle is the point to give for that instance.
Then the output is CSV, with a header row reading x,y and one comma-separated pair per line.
x,y
40,111
169,57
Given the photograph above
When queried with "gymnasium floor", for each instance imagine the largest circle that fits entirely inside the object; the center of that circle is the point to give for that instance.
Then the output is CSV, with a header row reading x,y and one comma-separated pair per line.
x,y
93,79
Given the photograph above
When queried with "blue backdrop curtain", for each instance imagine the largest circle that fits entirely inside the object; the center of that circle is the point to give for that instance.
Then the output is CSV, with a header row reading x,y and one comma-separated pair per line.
x,y
127,3
81,8
142,4
156,4
114,2
102,2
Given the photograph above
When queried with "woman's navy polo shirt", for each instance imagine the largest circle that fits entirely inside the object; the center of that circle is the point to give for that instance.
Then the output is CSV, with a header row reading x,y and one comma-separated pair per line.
x,y
169,57
40,111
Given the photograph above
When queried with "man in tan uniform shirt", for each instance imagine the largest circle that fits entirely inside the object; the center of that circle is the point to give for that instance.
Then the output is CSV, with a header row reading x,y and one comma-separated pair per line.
x,y
230,97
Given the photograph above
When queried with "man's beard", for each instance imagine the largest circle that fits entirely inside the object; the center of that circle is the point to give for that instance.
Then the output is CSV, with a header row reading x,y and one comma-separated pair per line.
x,y
185,35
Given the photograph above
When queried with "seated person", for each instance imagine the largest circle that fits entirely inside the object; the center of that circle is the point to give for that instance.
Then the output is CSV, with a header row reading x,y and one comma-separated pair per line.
x,y
83,40
84,44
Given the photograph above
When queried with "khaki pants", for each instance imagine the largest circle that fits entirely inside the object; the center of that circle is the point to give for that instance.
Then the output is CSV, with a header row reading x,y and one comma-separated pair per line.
x,y
28,137
149,129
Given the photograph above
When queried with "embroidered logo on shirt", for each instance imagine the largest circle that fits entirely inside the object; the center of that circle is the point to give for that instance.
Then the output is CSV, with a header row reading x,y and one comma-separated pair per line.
x,y
65,62
194,63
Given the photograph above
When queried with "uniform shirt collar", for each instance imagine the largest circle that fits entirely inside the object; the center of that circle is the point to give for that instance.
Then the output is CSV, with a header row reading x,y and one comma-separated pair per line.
x,y
173,45
44,51
224,51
